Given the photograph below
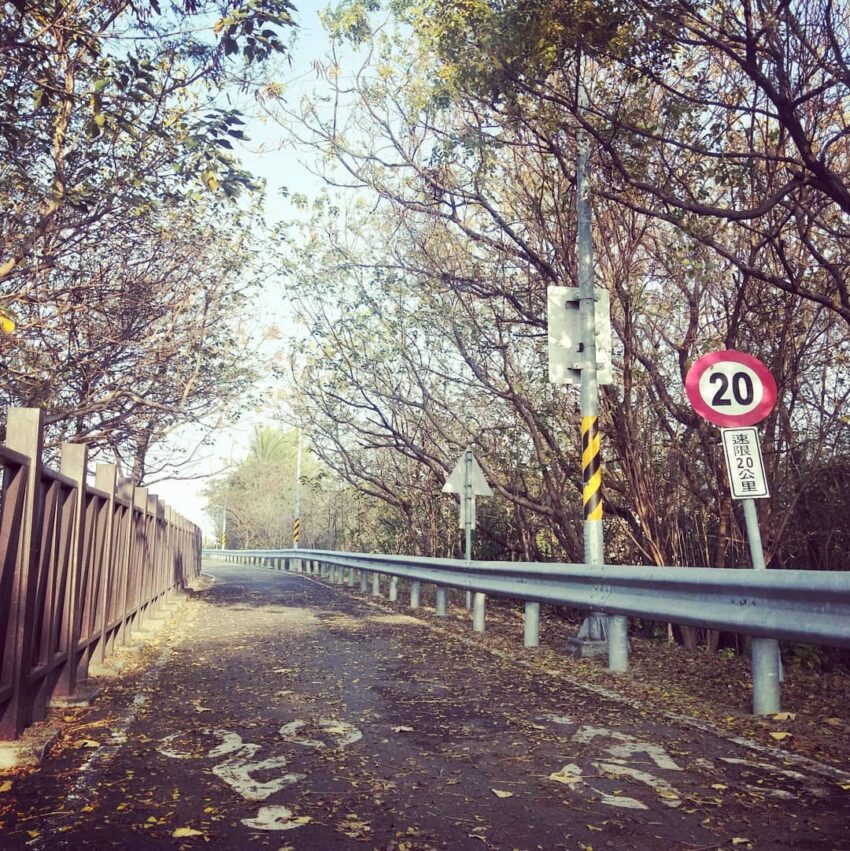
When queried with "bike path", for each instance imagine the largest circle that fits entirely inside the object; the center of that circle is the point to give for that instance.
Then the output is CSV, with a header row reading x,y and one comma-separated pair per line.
x,y
276,711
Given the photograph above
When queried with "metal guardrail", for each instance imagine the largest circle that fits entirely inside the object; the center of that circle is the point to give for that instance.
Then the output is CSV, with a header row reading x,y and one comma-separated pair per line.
x,y
804,606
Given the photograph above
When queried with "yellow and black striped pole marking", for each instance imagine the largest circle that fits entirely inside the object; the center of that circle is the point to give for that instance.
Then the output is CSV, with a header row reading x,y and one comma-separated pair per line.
x,y
296,530
591,468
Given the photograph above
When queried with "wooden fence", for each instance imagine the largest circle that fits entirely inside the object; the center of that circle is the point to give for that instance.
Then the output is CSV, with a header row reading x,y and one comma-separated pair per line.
x,y
80,568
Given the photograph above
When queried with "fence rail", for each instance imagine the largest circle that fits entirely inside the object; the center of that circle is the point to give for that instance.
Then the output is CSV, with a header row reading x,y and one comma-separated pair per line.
x,y
80,567
804,606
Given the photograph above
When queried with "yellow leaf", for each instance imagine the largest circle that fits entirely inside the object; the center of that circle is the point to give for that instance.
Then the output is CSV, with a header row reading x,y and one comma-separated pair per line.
x,y
593,827
781,736
152,820
88,808
844,786
86,743
784,716
7,325
186,831
667,793
740,840
6,786
569,774
501,793
718,786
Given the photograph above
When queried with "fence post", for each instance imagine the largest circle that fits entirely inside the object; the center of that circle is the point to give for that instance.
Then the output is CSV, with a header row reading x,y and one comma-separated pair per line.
x,y
24,434
393,589
105,479
74,461
376,584
364,581
414,594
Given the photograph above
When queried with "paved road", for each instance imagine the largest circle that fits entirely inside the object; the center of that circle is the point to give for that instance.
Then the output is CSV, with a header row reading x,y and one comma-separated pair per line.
x,y
278,712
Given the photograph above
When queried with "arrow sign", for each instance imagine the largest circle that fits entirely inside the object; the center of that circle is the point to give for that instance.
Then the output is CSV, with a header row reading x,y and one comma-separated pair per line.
x,y
456,482
467,479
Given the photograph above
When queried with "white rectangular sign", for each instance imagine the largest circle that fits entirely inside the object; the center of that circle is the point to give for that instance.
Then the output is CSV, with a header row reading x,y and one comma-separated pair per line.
x,y
743,463
564,332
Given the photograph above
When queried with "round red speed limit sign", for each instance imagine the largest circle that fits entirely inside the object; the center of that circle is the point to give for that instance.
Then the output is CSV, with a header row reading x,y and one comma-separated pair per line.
x,y
731,389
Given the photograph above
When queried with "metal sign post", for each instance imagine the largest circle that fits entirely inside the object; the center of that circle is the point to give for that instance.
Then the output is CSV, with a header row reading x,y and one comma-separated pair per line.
x,y
467,479
736,390
599,633
296,510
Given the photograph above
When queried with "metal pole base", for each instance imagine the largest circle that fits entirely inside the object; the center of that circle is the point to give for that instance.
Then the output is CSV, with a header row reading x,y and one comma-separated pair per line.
x,y
393,595
592,638
376,584
364,582
414,594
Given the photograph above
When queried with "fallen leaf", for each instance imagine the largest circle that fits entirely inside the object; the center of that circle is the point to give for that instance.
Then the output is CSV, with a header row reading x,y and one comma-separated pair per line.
x,y
834,722
86,743
186,831
6,786
403,728
781,736
569,774
594,827
784,716
501,793
844,786
718,786
740,840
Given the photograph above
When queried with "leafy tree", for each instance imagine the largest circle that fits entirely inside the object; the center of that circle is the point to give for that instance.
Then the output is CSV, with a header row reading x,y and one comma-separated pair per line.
x,y
123,256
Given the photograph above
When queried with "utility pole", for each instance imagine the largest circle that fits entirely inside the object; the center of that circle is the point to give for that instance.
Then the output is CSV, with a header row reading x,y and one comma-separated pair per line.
x,y
296,519
597,627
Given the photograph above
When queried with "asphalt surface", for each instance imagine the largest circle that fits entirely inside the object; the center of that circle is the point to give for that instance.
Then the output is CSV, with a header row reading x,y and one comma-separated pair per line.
x,y
277,711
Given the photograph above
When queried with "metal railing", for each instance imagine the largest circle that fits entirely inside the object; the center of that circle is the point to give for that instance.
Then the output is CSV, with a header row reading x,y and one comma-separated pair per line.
x,y
806,606
80,567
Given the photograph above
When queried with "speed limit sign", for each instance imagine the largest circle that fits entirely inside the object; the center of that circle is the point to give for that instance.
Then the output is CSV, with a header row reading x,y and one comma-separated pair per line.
x,y
731,389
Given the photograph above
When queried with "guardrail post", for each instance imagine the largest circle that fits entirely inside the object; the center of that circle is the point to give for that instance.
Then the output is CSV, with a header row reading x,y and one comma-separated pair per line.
x,y
442,600
478,605
376,584
364,582
415,585
350,577
531,626
393,596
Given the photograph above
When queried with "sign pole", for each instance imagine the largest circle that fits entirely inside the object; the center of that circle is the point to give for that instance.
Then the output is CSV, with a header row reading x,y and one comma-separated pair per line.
x,y
467,480
735,390
594,630
765,651
467,508
479,600
296,520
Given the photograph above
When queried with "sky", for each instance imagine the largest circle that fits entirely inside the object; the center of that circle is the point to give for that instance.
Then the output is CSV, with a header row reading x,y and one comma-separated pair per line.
x,y
280,167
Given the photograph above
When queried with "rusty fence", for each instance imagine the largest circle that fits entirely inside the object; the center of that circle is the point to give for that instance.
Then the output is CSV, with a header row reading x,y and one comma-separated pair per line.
x,y
80,568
